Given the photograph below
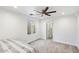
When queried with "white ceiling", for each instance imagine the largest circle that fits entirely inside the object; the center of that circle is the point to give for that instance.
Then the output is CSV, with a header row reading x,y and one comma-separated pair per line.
x,y
61,10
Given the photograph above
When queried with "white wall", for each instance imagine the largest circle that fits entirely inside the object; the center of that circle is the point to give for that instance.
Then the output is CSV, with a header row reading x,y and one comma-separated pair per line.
x,y
78,30
43,29
14,26
64,29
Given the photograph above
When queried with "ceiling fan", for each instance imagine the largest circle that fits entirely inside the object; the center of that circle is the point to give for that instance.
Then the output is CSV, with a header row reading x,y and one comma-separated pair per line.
x,y
45,12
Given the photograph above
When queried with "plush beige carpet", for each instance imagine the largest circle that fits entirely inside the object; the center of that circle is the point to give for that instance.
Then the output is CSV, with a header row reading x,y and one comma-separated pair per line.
x,y
48,46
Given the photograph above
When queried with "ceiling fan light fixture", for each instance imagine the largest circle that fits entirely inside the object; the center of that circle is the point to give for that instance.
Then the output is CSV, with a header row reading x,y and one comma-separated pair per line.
x,y
15,6
63,13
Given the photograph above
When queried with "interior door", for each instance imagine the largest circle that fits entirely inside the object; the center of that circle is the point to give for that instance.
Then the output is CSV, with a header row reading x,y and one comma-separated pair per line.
x,y
49,30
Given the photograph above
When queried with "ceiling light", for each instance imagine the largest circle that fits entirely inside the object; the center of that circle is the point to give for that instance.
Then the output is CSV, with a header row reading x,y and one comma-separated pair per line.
x,y
62,13
15,6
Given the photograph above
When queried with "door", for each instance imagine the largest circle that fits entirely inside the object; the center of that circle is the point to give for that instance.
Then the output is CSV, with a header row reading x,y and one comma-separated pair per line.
x,y
49,30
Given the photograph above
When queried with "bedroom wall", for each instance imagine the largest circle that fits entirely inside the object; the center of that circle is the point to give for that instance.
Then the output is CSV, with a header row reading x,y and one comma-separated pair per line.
x,y
43,29
65,29
78,30
14,26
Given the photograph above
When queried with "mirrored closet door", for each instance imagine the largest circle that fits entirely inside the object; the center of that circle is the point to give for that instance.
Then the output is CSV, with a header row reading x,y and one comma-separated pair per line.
x,y
31,29
49,30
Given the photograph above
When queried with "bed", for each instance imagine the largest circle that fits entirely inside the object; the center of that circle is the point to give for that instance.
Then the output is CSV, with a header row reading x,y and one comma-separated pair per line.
x,y
14,46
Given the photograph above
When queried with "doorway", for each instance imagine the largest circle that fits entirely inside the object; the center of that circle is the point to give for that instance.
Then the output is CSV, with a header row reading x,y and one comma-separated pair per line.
x,y
49,30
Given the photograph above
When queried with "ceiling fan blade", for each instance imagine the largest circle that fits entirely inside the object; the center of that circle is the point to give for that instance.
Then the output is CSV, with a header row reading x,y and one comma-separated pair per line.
x,y
37,11
48,15
46,9
52,12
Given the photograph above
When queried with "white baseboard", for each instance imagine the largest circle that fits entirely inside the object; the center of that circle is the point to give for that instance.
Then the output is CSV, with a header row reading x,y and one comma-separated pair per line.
x,y
66,43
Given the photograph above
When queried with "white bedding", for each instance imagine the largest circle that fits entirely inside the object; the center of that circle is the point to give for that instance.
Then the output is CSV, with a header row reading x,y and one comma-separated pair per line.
x,y
13,46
